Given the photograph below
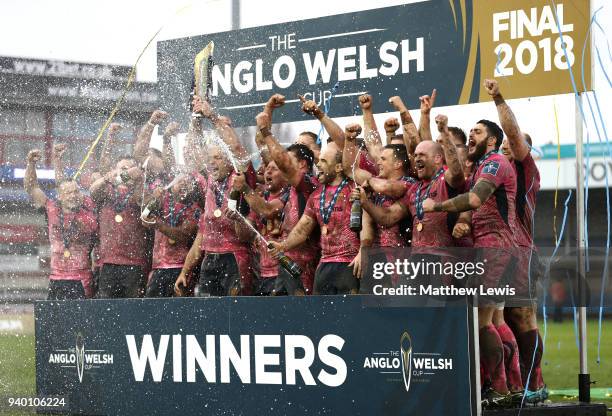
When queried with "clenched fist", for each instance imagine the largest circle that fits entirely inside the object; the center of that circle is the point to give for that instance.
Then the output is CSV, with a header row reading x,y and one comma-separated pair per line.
x,y
365,101
391,125
310,107
276,101
114,128
34,156
442,122
58,150
172,129
351,131
461,230
492,87
157,117
201,107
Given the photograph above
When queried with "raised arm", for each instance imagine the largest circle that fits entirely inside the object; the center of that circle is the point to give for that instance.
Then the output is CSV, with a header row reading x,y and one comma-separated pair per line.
x,y
144,135
193,150
267,209
518,145
223,125
229,136
454,174
333,129
172,130
427,103
409,129
349,155
371,136
277,152
274,102
58,164
464,202
30,180
105,163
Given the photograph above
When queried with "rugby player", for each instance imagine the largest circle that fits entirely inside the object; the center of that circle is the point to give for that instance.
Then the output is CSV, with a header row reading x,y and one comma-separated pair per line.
x,y
123,239
72,227
517,149
328,209
492,198
226,267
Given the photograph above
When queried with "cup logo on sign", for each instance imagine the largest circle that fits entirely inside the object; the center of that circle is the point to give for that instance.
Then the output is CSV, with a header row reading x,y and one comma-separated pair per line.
x,y
80,355
406,355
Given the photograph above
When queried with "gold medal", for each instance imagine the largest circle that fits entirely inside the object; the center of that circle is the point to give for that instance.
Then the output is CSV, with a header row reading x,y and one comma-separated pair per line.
x,y
324,230
419,226
118,218
217,213
66,253
171,242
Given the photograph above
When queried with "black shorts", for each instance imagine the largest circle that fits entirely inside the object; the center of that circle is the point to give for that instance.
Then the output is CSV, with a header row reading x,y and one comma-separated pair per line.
x,y
285,284
264,287
65,289
121,281
161,284
335,279
219,275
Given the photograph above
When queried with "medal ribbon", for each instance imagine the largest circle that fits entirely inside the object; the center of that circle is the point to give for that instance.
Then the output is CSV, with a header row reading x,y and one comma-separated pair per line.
x,y
65,234
175,217
219,192
327,211
480,162
120,206
418,200
283,196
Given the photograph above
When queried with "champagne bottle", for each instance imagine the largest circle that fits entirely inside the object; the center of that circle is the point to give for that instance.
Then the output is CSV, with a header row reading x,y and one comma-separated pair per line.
x,y
232,202
355,221
153,205
289,265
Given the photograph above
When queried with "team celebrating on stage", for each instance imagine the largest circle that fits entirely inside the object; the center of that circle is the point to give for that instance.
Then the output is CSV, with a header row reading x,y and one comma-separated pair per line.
x,y
144,225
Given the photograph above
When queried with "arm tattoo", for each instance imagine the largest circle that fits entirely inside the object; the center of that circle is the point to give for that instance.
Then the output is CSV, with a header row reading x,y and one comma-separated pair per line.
x,y
483,190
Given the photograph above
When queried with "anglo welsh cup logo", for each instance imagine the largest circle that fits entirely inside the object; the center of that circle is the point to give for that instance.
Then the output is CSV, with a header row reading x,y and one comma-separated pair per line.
x,y
80,355
77,357
406,355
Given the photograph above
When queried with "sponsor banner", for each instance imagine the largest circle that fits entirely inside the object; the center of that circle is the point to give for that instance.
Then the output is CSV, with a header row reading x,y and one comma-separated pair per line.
x,y
273,356
407,50
63,69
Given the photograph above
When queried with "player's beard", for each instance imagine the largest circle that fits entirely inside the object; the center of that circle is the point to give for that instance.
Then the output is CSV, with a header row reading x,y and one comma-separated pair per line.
x,y
480,149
